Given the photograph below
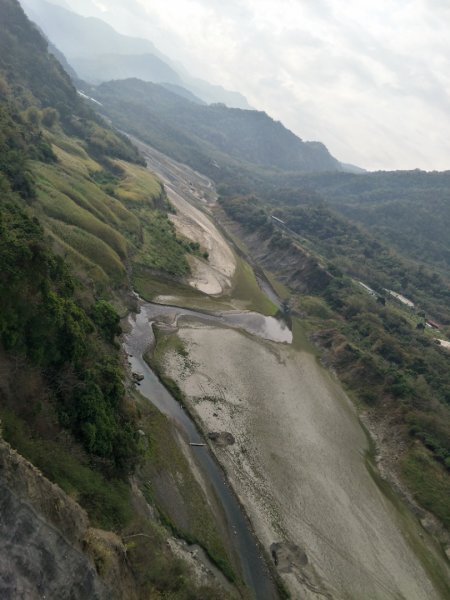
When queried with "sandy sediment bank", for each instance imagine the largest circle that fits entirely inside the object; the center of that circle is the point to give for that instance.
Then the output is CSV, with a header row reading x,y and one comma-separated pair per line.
x,y
298,465
214,275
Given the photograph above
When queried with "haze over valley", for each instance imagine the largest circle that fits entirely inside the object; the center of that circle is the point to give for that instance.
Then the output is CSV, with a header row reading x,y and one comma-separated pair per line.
x,y
224,343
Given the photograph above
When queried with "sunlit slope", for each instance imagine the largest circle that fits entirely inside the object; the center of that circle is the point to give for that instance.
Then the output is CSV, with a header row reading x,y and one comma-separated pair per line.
x,y
103,220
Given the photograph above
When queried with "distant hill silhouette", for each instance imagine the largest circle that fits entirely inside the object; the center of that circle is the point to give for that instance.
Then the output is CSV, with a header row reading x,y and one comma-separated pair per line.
x,y
99,53
209,138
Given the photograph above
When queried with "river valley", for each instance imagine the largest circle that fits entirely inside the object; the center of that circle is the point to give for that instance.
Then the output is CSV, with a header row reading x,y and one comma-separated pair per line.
x,y
298,455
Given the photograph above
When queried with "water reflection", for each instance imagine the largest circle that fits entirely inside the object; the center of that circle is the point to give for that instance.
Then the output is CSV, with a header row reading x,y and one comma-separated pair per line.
x,y
254,569
268,328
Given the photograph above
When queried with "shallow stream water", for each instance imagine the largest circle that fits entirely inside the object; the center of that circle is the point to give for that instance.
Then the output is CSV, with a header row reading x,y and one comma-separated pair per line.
x,y
267,328
254,569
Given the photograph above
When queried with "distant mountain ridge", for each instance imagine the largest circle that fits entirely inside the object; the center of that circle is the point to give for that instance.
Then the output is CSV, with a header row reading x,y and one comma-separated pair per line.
x,y
410,210
106,67
81,36
208,138
99,53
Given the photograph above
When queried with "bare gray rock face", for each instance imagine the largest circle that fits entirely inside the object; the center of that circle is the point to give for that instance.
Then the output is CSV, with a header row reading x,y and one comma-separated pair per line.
x,y
47,543
36,560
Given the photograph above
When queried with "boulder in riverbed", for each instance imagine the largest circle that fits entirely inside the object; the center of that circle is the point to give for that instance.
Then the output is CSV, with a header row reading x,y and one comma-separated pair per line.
x,y
222,438
288,557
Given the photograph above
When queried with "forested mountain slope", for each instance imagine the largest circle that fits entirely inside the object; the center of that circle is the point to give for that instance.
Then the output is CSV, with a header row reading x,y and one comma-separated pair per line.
x,y
100,53
79,214
408,209
209,138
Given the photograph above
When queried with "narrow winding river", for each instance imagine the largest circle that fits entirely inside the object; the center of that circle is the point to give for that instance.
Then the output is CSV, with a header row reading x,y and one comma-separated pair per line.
x,y
254,569
299,464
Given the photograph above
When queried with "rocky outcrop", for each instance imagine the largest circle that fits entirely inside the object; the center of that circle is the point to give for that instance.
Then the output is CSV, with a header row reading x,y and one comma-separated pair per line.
x,y
37,561
291,263
48,549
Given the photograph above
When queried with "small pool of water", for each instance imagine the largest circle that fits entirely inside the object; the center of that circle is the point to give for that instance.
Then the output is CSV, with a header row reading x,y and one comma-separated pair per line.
x,y
268,328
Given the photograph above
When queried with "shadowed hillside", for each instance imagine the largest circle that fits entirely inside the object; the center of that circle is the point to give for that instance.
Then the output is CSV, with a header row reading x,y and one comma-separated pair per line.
x,y
78,213
212,139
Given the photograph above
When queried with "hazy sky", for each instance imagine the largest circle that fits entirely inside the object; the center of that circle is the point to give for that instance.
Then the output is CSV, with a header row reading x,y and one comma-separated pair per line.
x,y
369,78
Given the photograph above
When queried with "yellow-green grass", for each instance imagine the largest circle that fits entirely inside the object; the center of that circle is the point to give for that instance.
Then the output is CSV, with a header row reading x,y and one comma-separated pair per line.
x,y
77,189
82,266
72,155
138,186
246,289
91,247
97,210
57,205
88,195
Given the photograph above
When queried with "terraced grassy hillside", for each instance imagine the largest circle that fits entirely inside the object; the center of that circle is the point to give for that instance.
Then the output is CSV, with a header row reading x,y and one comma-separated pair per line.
x,y
78,214
104,220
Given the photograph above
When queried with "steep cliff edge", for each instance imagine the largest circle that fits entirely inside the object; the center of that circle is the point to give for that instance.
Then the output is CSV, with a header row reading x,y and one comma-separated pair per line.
x,y
294,266
49,550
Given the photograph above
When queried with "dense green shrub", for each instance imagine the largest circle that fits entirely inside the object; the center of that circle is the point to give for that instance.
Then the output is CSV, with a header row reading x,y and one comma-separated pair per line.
x,y
106,319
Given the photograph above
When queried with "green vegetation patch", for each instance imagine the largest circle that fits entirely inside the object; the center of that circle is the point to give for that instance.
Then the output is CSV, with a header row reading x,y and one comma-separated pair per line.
x,y
42,322
314,306
106,500
430,483
246,289
171,486
161,249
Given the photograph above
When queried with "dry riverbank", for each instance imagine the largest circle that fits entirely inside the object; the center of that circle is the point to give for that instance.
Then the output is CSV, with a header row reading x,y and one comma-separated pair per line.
x,y
214,275
185,187
298,465
290,440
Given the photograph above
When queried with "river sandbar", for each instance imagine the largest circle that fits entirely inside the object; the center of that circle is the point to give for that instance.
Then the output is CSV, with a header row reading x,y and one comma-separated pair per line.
x,y
298,464
214,275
